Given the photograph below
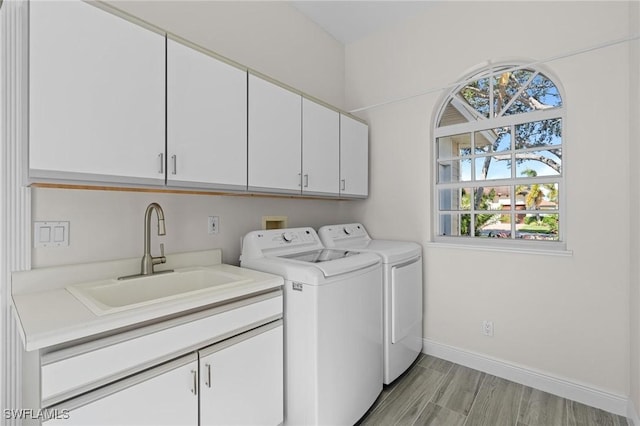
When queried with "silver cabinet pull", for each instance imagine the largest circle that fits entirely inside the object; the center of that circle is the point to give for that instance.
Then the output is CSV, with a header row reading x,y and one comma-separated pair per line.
x,y
194,384
175,164
343,183
161,156
207,381
306,181
299,179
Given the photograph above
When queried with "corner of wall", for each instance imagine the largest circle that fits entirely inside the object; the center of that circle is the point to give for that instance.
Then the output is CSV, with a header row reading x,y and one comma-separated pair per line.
x,y
632,414
634,249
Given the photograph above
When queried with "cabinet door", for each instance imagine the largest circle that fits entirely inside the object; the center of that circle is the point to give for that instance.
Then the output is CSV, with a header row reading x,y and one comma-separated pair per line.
x,y
274,137
320,149
241,380
206,120
96,88
166,395
354,158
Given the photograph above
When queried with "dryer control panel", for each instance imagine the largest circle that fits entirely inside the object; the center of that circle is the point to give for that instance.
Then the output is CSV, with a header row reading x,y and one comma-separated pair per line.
x,y
342,233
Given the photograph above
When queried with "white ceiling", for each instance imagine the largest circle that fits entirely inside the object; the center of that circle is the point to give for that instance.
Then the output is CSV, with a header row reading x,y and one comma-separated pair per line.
x,y
349,21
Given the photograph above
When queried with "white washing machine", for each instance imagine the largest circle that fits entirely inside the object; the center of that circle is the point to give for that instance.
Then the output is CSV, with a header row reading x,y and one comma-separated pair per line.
x,y
332,324
402,269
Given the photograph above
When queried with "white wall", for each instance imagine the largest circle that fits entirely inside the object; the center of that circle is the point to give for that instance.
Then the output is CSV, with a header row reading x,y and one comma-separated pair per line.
x,y
109,225
567,317
270,37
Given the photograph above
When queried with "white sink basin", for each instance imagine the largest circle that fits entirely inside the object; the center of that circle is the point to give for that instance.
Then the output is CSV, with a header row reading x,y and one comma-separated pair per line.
x,y
109,296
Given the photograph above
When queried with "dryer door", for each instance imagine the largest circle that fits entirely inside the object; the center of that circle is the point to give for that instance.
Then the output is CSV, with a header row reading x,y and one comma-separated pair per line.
x,y
406,299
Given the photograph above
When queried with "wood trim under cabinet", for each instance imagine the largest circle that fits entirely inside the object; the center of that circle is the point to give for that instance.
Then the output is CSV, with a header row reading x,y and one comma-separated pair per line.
x,y
181,191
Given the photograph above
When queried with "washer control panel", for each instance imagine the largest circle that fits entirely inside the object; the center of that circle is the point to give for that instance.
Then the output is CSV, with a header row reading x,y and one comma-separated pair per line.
x,y
283,239
293,237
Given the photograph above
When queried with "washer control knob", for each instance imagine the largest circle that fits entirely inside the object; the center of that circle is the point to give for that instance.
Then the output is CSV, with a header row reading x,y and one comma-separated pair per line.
x,y
287,237
347,230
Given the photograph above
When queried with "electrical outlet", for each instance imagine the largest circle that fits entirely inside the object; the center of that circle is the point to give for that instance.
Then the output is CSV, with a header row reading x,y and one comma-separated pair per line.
x,y
487,328
213,224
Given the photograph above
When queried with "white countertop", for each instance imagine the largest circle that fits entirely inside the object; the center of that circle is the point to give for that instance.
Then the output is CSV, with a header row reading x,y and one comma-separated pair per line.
x,y
49,315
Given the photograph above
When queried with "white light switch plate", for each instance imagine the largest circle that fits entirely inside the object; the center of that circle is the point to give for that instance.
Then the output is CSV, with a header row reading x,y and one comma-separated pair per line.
x,y
51,234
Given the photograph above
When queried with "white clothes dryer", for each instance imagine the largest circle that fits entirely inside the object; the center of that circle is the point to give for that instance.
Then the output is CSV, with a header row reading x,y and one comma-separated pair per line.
x,y
402,270
332,324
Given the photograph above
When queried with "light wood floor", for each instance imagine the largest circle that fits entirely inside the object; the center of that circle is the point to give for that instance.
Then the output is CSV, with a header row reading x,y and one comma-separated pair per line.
x,y
438,392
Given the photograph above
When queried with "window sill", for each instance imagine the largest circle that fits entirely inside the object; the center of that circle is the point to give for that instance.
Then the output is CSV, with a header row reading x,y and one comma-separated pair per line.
x,y
558,249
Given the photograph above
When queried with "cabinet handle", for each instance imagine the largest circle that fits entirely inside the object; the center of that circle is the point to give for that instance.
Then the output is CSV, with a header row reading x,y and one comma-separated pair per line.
x,y
194,384
299,179
343,185
306,181
207,381
175,164
161,156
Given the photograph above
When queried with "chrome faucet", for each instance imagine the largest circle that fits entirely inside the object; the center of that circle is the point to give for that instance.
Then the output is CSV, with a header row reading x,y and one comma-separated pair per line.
x,y
149,261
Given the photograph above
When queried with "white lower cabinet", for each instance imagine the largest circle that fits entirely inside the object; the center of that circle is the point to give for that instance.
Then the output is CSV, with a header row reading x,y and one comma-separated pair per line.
x,y
241,381
238,381
220,366
165,395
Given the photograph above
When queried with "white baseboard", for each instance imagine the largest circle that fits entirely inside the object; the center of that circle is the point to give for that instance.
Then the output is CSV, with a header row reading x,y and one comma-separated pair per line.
x,y
612,403
632,414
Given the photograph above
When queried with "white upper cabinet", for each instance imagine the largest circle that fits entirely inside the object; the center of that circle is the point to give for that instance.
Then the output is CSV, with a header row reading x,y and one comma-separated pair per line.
x,y
97,98
113,102
206,120
320,149
275,127
354,158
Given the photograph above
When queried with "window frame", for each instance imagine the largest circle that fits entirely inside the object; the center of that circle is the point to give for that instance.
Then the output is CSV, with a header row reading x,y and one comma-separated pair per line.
x,y
471,127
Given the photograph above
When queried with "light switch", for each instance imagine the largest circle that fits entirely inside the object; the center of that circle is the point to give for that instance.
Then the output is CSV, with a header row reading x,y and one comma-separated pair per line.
x,y
58,234
45,234
51,234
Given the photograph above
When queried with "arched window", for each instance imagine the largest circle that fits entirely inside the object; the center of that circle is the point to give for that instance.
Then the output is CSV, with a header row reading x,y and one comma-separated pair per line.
x,y
498,158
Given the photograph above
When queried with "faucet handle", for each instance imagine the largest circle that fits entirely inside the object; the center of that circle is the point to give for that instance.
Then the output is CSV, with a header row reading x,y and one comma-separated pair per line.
x,y
161,258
